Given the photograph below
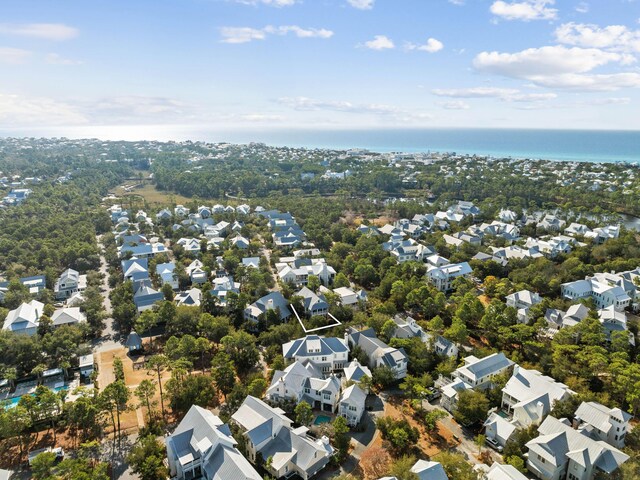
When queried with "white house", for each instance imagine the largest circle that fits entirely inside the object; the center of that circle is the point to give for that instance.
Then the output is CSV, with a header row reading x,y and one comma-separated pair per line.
x,y
529,396
305,382
478,372
504,472
354,372
202,447
561,452
380,354
25,318
352,404
328,354
523,301
442,277
68,283
284,450
68,316
603,423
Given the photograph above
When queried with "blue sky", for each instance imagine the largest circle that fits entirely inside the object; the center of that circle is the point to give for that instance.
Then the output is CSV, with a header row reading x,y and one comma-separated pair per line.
x,y
167,68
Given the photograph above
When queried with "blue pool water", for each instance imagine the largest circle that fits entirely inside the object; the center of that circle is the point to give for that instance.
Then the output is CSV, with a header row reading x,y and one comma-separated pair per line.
x,y
15,400
320,419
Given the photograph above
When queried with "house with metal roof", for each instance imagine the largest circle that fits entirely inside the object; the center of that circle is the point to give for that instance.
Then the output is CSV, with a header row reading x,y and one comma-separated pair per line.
x,y
352,404
478,372
69,283
202,447
504,472
284,450
272,301
379,353
24,319
561,452
328,354
602,423
443,277
304,382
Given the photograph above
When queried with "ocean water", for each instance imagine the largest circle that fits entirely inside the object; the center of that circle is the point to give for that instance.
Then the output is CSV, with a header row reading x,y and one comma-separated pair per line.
x,y
564,145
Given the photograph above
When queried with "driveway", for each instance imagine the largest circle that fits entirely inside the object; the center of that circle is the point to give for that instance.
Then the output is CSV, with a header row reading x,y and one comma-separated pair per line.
x,y
110,337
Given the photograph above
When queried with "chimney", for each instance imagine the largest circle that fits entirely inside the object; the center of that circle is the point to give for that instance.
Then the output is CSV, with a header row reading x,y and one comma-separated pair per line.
x,y
540,410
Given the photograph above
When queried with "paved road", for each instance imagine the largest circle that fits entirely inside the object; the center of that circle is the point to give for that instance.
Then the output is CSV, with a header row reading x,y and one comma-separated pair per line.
x,y
109,338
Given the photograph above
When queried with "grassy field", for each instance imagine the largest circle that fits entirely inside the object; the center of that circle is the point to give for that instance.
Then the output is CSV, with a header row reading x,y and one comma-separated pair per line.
x,y
152,196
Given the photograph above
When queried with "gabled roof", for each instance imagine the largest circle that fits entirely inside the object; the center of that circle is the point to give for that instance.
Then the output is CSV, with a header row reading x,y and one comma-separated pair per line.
x,y
26,316
65,316
354,371
200,432
598,416
428,470
476,368
504,472
558,441
313,345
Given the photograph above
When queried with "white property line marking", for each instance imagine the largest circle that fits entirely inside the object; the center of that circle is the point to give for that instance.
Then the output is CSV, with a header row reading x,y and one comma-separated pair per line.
x,y
315,329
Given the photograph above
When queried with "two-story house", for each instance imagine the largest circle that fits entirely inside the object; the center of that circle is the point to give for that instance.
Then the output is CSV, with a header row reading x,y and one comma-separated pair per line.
x,y
328,354
379,353
273,443
202,447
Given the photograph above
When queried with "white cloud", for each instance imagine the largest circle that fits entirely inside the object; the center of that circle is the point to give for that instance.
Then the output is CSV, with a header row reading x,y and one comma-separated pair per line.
x,y
47,31
594,83
457,2
547,61
299,32
241,34
525,10
13,55
582,7
614,37
380,42
56,59
361,4
310,104
455,105
248,34
22,110
432,46
270,3
504,94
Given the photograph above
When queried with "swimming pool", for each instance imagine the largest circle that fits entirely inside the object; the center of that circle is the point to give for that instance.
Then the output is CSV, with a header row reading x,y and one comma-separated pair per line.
x,y
12,402
320,419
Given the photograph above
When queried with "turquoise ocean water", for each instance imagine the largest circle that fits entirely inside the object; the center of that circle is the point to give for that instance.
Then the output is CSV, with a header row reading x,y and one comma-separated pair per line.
x,y
565,145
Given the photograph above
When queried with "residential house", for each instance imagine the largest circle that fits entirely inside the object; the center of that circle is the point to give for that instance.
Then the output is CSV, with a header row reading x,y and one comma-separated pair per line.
x,y
135,268
576,229
68,316
523,301
558,319
144,250
189,298
24,319
297,272
478,372
145,298
313,304
284,450
561,452
68,283
354,372
605,291
352,405
202,447
251,262
163,215
240,242
529,396
498,430
507,216
379,353
222,286
504,472
166,272
197,273
272,301
328,354
191,245
551,223
602,234
610,425
443,277
305,382
350,298
429,470
614,321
